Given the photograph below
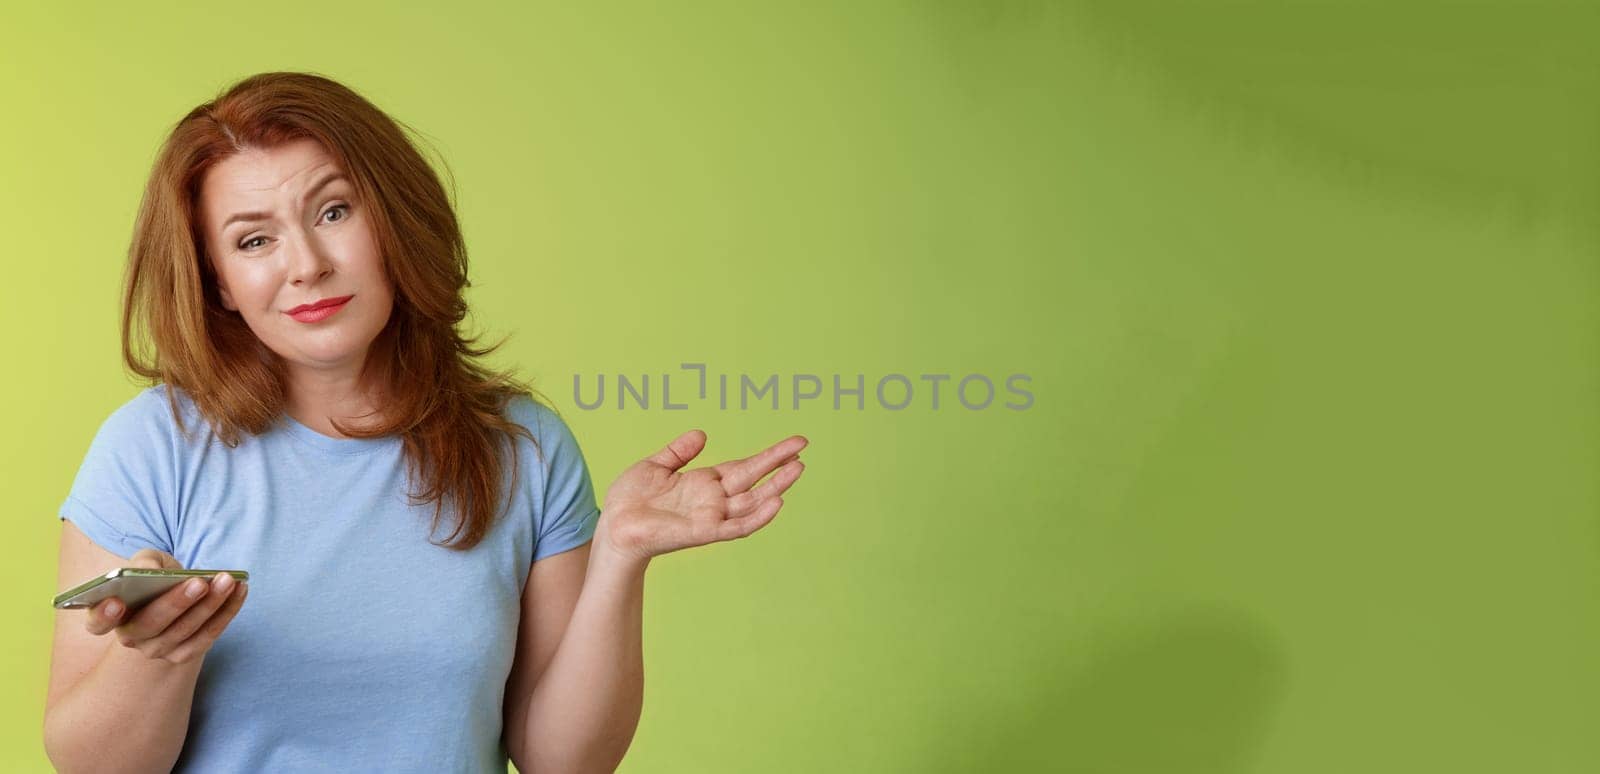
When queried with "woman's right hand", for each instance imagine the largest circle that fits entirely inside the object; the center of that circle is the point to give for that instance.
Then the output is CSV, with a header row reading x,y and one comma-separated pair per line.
x,y
177,626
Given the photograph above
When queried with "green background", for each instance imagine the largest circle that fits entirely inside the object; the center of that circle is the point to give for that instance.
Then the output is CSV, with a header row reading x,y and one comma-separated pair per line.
x,y
1307,292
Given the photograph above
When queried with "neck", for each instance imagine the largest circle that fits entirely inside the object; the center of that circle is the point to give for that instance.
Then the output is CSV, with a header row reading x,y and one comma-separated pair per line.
x,y
318,397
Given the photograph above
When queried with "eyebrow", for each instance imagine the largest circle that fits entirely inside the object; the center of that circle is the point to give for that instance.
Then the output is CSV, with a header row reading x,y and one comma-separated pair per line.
x,y
323,183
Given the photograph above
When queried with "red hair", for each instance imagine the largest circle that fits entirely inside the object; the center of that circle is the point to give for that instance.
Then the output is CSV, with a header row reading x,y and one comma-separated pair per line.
x,y
449,409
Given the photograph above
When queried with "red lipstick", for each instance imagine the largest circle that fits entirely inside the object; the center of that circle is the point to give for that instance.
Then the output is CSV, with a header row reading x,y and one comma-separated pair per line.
x,y
318,311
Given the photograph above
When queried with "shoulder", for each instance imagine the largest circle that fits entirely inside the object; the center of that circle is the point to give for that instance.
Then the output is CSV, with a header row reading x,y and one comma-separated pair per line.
x,y
524,410
552,435
153,414
154,411
159,428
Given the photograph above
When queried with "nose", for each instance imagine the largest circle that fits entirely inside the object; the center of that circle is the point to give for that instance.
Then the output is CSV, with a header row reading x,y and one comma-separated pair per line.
x,y
308,261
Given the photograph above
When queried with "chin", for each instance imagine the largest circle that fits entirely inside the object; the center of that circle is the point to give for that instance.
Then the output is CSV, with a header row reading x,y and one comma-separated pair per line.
x,y
327,357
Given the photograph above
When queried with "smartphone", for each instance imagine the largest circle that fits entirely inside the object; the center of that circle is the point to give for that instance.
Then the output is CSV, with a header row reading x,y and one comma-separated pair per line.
x,y
135,586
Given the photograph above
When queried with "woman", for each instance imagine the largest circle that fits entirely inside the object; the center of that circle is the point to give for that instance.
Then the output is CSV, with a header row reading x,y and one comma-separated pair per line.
x,y
316,419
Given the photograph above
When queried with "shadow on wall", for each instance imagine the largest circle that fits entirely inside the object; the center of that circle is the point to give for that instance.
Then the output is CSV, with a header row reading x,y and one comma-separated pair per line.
x,y
1188,692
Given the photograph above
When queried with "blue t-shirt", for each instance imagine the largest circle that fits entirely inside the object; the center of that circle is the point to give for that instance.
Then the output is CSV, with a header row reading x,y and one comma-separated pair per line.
x,y
362,646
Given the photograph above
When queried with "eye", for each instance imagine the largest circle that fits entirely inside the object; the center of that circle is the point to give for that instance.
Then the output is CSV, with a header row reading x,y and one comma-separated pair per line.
x,y
342,209
246,244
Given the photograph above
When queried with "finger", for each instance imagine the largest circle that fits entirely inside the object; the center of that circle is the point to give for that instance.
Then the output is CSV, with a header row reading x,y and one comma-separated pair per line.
x,y
153,618
745,502
682,449
201,640
733,529
103,617
739,475
192,619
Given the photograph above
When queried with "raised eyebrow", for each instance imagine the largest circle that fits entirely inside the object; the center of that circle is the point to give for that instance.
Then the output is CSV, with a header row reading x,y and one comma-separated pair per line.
x,y
323,183
260,216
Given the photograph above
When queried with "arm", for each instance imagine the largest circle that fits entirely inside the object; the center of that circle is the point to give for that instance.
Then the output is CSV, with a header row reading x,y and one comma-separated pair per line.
x,y
574,701
113,707
582,682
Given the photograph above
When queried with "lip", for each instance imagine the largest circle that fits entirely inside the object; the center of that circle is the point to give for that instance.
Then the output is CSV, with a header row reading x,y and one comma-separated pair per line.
x,y
319,304
319,310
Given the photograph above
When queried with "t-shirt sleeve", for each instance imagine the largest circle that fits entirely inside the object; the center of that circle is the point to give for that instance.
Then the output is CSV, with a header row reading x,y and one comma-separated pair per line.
x,y
120,497
568,514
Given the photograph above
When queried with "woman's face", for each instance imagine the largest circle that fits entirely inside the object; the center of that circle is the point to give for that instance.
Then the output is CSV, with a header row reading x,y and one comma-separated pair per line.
x,y
284,231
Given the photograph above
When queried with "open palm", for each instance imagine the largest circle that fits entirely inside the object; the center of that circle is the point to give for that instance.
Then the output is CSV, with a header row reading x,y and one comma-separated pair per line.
x,y
655,507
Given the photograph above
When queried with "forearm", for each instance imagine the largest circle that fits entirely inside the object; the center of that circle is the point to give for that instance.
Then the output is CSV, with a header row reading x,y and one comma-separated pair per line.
x,y
585,707
129,713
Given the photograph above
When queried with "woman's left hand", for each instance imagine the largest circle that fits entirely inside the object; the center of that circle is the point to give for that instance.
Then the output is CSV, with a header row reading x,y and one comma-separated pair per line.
x,y
653,508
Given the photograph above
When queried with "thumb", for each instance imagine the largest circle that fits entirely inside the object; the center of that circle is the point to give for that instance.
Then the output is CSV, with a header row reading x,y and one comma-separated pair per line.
x,y
152,559
682,449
